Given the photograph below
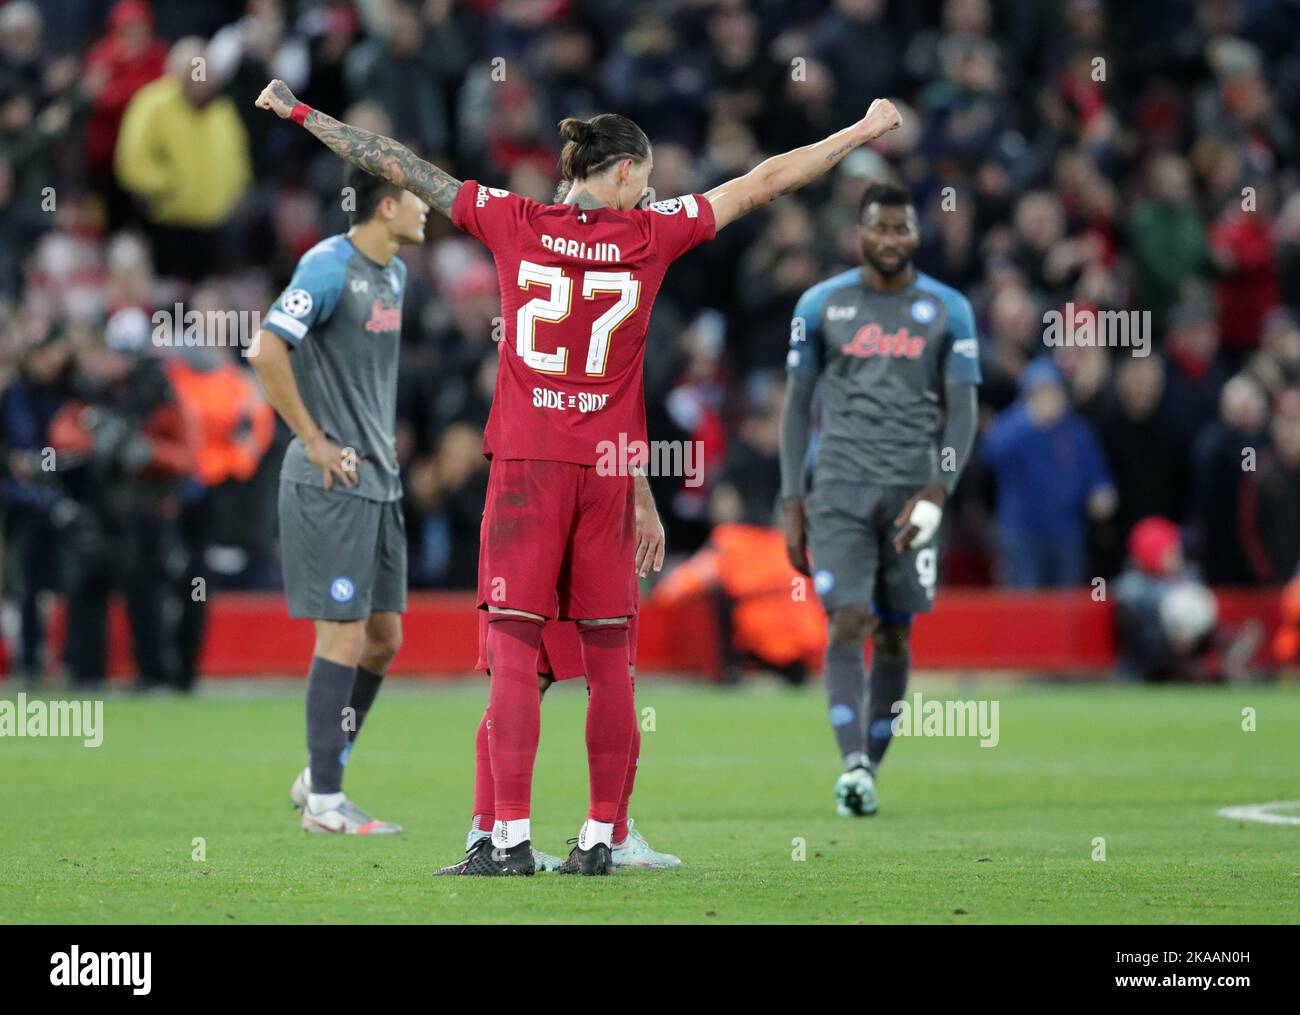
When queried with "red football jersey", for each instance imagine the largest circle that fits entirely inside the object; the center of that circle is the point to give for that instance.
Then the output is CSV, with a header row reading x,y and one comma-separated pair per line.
x,y
577,287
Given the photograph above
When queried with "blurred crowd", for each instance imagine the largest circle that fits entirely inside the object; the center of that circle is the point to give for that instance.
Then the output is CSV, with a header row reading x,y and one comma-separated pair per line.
x,y
1080,157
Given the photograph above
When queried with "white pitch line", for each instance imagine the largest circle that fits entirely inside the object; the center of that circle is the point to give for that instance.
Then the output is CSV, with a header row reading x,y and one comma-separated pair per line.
x,y
1263,813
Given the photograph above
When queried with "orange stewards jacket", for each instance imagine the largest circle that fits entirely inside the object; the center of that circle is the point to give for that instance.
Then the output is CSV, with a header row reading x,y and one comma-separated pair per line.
x,y
776,614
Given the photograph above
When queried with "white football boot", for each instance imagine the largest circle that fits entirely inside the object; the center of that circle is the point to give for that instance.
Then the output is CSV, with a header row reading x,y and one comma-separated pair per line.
x,y
855,794
347,818
635,852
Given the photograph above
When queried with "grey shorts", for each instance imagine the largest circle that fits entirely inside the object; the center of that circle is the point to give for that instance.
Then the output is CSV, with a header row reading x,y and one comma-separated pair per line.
x,y
343,556
851,539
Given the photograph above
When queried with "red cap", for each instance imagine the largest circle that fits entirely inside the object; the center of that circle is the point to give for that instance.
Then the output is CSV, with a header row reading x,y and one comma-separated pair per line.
x,y
126,12
1151,542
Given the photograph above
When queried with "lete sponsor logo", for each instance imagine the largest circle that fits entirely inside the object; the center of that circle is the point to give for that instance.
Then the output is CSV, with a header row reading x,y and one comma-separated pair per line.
x,y
872,340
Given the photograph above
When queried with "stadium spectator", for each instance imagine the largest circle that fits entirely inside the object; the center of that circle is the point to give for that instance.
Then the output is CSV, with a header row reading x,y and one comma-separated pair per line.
x,y
234,427
1225,450
657,82
22,51
949,251
29,138
1164,618
965,109
1144,452
1270,499
751,470
243,56
961,18
1244,110
767,615
1014,338
1091,204
183,152
448,490
1242,248
741,79
1288,252
1276,366
561,71
30,401
861,50
331,29
1047,257
695,407
129,57
516,136
130,446
1195,376
774,272
1167,238
1086,370
1051,480
403,75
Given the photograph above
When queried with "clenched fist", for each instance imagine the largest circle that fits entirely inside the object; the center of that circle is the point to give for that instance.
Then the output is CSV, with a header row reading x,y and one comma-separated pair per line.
x,y
279,100
881,118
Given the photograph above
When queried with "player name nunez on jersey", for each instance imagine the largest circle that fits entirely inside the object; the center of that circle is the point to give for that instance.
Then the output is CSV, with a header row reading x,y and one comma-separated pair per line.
x,y
584,251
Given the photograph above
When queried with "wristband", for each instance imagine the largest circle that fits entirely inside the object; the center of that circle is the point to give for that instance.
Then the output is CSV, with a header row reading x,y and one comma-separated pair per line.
x,y
299,113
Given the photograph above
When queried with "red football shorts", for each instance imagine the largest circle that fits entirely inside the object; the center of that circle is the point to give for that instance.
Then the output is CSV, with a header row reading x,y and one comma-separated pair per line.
x,y
558,540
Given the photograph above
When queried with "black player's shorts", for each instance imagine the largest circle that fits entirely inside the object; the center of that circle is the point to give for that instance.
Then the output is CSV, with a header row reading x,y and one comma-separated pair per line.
x,y
851,539
343,556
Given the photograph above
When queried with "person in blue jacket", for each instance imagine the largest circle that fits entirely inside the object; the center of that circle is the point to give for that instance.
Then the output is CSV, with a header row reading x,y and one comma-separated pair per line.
x,y
1051,479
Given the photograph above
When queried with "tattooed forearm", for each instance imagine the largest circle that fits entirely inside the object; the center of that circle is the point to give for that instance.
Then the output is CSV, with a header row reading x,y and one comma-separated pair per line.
x,y
784,174
374,153
834,156
386,158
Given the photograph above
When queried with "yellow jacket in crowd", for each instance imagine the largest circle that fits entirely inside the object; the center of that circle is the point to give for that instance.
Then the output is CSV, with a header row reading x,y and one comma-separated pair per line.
x,y
190,164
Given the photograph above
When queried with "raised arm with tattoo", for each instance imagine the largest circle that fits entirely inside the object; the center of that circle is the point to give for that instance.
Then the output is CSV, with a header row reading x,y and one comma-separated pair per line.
x,y
783,174
382,156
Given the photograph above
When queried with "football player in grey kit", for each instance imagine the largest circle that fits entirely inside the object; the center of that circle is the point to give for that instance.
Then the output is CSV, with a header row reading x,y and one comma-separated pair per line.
x,y
327,358
891,347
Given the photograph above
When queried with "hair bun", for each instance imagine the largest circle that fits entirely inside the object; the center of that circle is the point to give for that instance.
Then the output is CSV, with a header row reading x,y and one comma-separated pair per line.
x,y
595,144
576,130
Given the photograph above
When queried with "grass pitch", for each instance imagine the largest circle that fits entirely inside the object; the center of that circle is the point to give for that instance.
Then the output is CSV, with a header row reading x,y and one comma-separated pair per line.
x,y
736,782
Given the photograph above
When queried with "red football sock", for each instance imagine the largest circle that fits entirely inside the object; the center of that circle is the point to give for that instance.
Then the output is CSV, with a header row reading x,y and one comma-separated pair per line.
x,y
633,758
620,820
484,791
515,710
611,716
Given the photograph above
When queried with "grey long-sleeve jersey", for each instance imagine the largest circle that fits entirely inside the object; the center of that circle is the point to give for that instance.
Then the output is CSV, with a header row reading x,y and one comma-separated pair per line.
x,y
882,359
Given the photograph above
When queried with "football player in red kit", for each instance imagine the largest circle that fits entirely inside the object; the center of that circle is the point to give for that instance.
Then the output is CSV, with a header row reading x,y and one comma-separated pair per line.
x,y
578,281
560,658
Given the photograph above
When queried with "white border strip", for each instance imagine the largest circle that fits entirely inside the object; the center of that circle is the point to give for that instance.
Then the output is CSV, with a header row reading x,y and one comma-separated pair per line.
x,y
1263,813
